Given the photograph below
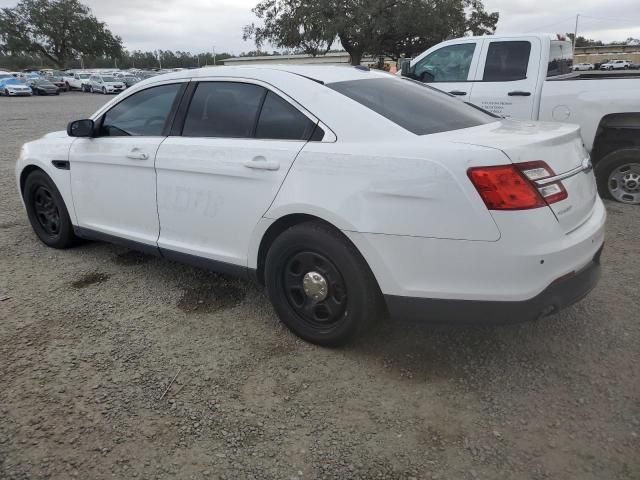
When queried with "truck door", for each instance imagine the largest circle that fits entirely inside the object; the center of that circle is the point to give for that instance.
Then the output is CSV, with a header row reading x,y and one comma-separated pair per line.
x,y
450,68
508,75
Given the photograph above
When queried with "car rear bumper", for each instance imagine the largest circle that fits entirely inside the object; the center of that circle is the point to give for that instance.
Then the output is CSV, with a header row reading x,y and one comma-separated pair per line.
x,y
560,294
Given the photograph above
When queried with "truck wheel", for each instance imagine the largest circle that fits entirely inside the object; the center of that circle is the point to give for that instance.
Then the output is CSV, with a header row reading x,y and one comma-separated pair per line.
x,y
618,175
320,285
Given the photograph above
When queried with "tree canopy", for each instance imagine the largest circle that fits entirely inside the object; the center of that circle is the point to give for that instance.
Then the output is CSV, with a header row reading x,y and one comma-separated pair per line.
x,y
375,27
58,30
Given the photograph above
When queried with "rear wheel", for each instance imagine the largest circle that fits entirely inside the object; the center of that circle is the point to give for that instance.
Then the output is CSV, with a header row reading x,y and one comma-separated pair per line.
x,y
319,284
618,175
47,212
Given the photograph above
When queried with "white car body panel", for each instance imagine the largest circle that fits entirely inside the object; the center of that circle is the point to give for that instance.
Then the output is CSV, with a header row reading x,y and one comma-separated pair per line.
x,y
404,200
114,194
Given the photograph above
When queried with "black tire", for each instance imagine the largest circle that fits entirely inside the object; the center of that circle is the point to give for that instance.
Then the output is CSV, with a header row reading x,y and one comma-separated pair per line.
x,y
6,92
615,160
104,91
40,194
67,87
353,299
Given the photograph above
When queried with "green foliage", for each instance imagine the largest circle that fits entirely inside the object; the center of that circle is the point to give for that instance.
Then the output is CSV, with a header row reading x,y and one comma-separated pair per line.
x,y
374,27
134,59
57,30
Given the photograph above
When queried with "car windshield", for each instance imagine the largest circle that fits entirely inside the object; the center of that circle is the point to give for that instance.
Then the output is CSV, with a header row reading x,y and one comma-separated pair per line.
x,y
4,75
414,106
108,79
84,76
43,83
13,81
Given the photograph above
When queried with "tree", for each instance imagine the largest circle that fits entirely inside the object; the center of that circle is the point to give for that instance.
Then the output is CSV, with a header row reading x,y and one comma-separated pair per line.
x,y
375,27
59,30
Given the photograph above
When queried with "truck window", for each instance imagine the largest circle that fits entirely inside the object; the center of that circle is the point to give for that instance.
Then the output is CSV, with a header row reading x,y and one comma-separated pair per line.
x,y
507,61
447,64
560,58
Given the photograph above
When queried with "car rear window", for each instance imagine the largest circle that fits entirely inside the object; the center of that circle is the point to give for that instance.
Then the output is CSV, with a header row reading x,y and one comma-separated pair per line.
x,y
414,106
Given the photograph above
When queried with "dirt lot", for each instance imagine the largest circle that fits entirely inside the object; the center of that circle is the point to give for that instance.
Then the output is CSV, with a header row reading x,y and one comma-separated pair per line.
x,y
90,338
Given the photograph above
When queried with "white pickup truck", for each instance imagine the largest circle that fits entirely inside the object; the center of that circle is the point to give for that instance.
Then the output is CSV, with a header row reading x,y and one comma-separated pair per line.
x,y
76,80
529,77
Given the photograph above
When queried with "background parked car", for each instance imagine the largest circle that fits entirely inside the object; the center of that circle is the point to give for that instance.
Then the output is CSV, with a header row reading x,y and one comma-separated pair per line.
x,y
12,87
105,84
615,65
58,81
42,86
583,66
76,80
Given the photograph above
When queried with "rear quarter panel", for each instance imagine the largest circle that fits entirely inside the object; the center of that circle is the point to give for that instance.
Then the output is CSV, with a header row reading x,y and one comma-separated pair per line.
x,y
419,189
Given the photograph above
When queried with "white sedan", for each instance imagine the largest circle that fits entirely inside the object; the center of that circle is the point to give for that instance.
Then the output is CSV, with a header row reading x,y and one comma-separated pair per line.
x,y
583,66
104,84
349,193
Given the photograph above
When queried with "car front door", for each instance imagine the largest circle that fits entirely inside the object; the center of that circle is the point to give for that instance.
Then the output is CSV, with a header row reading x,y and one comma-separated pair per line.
x,y
450,68
219,175
508,77
113,179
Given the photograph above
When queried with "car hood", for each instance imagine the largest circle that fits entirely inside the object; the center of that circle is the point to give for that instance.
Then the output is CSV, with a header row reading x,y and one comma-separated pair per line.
x,y
58,134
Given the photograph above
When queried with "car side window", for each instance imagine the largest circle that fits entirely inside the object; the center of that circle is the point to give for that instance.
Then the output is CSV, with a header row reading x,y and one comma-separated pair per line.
x,y
144,113
223,109
279,120
507,61
447,64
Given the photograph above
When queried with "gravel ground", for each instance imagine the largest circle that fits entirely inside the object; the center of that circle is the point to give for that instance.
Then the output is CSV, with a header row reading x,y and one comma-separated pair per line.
x,y
92,337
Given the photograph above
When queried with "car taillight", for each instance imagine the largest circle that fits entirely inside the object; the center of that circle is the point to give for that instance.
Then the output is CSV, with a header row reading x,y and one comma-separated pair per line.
x,y
513,187
538,171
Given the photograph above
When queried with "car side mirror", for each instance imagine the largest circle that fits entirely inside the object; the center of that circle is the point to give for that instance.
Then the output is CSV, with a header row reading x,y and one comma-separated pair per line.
x,y
80,128
406,70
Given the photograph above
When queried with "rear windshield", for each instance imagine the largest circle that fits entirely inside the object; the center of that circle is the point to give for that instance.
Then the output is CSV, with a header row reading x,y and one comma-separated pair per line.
x,y
414,106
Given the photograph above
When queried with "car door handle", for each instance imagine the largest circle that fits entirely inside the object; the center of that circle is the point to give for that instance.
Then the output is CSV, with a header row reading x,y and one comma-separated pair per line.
x,y
518,93
135,154
261,163
457,92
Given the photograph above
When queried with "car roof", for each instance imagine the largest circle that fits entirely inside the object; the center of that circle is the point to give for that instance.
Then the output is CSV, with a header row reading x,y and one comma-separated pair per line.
x,y
319,73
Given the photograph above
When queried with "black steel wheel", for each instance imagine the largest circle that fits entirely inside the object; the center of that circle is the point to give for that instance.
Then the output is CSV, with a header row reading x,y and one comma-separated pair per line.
x,y
320,285
47,212
315,289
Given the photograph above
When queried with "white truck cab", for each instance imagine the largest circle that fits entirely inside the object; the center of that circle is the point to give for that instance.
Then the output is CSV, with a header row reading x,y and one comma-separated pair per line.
x,y
530,77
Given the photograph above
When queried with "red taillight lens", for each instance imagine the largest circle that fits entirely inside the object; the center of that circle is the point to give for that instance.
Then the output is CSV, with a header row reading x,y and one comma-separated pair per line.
x,y
514,187
539,170
505,187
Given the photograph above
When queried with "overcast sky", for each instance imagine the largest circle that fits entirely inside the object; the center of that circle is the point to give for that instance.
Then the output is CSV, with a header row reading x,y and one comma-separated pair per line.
x,y
198,25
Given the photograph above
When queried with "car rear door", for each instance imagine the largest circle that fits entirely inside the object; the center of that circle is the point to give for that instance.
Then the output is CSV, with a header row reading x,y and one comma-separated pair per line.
x,y
508,76
222,167
450,68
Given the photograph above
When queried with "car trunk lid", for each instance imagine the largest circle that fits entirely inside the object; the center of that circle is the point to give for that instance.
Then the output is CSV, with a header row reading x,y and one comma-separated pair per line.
x,y
560,147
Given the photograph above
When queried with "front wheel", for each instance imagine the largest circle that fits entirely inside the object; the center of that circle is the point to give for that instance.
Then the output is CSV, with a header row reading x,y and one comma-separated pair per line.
x,y
618,175
320,285
6,92
47,212
104,91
